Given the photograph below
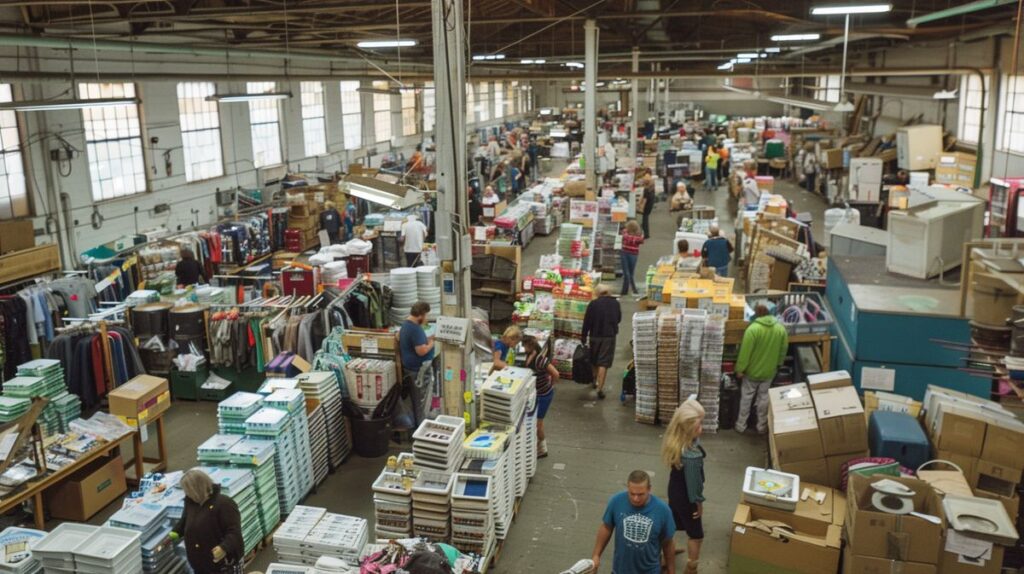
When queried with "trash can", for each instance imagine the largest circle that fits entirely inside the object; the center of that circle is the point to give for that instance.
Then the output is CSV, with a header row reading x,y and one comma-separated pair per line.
x,y
370,437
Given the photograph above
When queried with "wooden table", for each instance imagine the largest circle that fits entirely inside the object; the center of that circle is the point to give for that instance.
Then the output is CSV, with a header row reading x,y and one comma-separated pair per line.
x,y
139,465
35,490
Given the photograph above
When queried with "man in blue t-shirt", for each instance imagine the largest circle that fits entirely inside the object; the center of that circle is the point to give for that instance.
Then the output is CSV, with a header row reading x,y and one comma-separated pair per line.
x,y
643,528
417,350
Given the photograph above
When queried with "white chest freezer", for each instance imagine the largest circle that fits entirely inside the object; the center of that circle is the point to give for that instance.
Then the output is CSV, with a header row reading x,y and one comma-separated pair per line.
x,y
927,240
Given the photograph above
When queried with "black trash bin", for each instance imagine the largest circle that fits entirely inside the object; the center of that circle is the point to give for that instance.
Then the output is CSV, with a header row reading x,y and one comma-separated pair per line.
x,y
729,405
370,437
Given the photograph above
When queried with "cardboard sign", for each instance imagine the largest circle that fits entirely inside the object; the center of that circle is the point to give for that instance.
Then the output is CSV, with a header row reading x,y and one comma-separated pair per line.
x,y
452,329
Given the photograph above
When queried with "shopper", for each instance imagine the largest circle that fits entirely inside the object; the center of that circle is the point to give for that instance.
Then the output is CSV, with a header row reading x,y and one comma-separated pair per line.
x,y
210,525
476,211
681,200
647,206
810,168
632,239
600,327
505,348
717,252
608,160
349,218
414,233
711,169
417,353
490,197
546,376
643,529
533,152
188,271
723,162
762,352
330,221
682,452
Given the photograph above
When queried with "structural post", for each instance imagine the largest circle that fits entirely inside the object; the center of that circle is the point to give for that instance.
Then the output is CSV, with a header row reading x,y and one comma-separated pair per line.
x,y
635,104
590,104
452,216
664,106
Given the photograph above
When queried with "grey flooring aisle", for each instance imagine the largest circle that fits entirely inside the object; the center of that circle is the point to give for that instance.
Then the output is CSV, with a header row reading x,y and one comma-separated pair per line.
x,y
593,445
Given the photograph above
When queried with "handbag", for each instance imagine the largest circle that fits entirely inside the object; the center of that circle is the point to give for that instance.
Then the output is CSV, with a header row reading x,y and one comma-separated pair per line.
x,y
582,371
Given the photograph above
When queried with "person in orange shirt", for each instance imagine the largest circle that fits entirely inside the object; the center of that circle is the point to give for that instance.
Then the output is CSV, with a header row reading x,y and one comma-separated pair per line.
x,y
723,162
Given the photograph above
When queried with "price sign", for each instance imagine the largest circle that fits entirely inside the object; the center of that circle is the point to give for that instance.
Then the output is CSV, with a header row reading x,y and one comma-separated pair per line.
x,y
452,329
369,346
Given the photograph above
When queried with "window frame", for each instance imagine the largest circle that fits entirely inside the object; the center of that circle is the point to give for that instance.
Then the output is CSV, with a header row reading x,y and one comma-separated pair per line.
x,y
186,120
382,114
966,108
312,121
254,126
16,150
409,113
429,107
483,105
107,115
827,88
1008,114
499,100
351,87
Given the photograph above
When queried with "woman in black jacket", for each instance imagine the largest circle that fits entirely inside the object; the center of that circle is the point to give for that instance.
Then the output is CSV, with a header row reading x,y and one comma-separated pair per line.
x,y
210,525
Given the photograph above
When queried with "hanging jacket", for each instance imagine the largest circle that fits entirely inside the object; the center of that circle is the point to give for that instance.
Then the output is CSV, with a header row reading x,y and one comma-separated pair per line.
x,y
763,349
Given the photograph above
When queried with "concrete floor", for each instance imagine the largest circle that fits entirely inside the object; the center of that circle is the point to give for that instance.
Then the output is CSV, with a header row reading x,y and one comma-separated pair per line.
x,y
593,446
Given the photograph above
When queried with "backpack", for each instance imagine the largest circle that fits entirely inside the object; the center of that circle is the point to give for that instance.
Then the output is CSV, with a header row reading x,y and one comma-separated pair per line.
x,y
582,371
629,379
428,562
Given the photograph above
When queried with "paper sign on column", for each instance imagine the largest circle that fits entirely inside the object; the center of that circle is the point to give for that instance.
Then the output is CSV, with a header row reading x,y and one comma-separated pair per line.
x,y
452,329
877,379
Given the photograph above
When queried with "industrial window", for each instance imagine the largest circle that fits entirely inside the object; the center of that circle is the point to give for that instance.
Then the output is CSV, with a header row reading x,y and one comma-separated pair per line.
x,y
510,98
483,99
409,127
314,130
973,105
200,131
381,113
470,104
1011,137
265,123
499,100
827,89
13,193
429,107
351,115
113,142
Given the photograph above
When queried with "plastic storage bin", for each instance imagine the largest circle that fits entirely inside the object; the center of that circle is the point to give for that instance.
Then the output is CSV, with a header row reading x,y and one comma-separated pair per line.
x,y
898,436
185,385
772,488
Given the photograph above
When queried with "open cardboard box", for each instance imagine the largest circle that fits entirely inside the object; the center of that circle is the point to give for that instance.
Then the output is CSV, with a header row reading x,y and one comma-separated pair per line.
x,y
855,564
878,534
795,436
832,509
812,548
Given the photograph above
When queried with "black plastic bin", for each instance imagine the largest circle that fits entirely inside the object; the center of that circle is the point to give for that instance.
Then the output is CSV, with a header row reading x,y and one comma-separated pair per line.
x,y
371,437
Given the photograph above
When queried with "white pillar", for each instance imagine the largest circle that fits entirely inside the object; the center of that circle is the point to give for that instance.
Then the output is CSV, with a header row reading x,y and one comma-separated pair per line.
x,y
590,104
664,106
634,101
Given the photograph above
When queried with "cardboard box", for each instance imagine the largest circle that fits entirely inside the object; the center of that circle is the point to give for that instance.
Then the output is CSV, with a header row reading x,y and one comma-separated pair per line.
x,y
832,158
832,509
959,429
830,380
953,564
16,235
967,463
879,534
795,436
841,420
996,478
163,402
575,188
139,398
88,491
789,398
492,211
835,463
1003,440
29,262
813,547
814,471
856,564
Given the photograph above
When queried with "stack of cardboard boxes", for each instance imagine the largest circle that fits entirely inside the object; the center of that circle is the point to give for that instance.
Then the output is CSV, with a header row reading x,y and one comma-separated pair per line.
x,y
303,219
982,438
817,427
807,540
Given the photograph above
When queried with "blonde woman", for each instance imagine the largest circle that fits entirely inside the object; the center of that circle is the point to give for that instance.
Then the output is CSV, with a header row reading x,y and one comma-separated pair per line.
x,y
505,348
210,525
682,452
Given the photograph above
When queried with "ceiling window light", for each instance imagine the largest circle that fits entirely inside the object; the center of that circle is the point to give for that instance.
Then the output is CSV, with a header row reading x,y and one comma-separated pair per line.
x,y
578,65
747,55
237,98
742,61
530,61
725,66
772,50
386,44
842,9
795,37
54,105
489,57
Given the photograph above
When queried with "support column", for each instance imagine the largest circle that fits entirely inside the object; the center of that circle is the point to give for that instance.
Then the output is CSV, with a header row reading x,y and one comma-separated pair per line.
x,y
590,104
635,104
452,216
665,106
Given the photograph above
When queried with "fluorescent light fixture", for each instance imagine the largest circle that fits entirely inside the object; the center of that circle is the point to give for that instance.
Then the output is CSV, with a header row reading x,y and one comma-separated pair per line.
x,y
748,55
386,44
479,57
795,37
54,105
742,61
541,61
774,50
725,66
843,107
944,95
236,98
578,65
529,61
843,9
387,194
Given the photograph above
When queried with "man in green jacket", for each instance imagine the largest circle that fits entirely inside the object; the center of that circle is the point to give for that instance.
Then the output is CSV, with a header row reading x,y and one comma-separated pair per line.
x,y
762,352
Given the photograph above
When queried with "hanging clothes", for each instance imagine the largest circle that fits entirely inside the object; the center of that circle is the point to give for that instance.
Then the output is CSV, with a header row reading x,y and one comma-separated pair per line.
x,y
14,326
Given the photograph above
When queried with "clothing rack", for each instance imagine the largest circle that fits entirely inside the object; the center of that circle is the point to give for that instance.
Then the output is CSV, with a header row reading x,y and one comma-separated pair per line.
x,y
86,325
